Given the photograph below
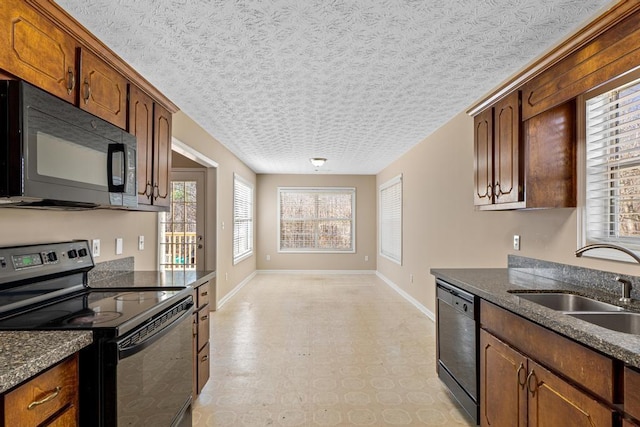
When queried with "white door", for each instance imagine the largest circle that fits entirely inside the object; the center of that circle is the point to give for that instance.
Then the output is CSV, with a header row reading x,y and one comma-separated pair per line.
x,y
182,245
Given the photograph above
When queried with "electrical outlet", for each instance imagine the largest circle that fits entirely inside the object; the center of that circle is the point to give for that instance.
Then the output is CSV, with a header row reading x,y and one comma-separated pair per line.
x,y
366,258
268,257
141,243
119,244
516,242
95,247
226,277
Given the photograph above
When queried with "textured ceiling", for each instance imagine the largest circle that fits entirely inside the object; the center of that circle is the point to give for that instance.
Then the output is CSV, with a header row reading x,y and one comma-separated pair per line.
x,y
356,81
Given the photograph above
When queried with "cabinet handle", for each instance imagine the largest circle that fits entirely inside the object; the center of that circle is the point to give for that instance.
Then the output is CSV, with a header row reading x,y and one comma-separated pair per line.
x,y
148,190
498,190
205,317
87,91
71,80
532,375
489,191
156,191
205,358
524,381
52,395
204,294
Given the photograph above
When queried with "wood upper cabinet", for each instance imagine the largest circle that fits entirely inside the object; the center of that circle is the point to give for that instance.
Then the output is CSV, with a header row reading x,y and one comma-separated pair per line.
x,y
161,156
102,90
151,124
516,391
523,165
36,50
483,157
498,154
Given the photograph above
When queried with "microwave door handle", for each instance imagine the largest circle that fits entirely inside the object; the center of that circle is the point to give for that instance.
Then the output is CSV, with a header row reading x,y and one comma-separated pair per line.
x,y
112,151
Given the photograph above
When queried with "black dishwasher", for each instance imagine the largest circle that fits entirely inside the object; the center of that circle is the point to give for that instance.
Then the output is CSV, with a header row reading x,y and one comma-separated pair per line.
x,y
458,345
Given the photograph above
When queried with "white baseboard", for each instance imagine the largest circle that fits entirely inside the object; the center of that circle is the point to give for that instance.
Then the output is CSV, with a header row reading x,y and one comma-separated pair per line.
x,y
234,291
408,297
316,271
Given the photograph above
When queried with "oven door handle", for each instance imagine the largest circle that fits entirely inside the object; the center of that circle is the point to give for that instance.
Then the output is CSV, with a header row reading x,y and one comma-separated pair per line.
x,y
123,353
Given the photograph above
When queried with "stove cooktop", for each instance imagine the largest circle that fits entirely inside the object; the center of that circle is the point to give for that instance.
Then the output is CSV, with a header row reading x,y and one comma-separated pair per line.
x,y
96,309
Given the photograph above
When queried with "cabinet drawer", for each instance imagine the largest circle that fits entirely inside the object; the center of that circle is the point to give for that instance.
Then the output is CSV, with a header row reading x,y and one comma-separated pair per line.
x,y
203,326
202,296
574,361
43,396
68,418
203,367
632,392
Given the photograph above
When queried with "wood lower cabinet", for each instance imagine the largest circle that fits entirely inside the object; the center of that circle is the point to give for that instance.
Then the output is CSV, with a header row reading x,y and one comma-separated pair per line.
x,y
201,329
49,399
102,90
517,392
151,124
36,50
503,371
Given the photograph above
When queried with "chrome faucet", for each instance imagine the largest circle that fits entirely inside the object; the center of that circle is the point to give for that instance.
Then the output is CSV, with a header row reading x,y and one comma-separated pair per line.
x,y
626,284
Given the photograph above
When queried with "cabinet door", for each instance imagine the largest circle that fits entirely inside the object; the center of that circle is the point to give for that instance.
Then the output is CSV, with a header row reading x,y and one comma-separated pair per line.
x,y
203,368
554,402
35,50
483,158
203,327
103,91
161,155
503,371
508,171
141,125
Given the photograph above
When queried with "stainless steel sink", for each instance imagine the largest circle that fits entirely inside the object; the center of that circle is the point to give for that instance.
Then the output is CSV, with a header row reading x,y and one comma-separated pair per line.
x,y
567,302
621,322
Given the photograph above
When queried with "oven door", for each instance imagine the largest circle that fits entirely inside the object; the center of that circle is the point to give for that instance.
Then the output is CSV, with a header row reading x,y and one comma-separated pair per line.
x,y
154,373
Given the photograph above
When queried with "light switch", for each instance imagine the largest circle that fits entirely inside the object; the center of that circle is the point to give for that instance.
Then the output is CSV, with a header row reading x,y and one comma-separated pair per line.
x,y
119,246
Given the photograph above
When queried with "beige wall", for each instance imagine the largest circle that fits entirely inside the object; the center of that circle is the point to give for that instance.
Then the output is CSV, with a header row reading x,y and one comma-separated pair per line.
x,y
27,226
442,229
190,133
267,219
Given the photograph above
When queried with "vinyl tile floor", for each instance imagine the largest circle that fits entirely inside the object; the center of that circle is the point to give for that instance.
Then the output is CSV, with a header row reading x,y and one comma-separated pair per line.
x,y
323,350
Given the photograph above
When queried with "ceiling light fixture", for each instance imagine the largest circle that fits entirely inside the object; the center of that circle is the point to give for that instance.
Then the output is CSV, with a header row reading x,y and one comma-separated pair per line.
x,y
317,161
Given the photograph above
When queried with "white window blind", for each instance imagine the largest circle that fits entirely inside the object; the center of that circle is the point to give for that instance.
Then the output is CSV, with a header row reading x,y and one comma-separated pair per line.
x,y
316,219
242,218
612,205
390,221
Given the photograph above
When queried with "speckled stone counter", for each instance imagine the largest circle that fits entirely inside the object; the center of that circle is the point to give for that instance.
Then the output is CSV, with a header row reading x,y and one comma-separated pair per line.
x,y
494,285
136,279
24,354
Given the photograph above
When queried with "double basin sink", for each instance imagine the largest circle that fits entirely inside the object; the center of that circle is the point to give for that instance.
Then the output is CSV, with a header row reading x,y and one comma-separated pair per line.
x,y
599,313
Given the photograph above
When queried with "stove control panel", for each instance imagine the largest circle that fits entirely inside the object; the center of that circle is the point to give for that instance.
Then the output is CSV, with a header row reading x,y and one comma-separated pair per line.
x,y
32,261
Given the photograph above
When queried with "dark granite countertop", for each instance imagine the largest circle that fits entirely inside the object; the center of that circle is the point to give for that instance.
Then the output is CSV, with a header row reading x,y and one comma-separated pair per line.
x,y
137,279
494,285
23,354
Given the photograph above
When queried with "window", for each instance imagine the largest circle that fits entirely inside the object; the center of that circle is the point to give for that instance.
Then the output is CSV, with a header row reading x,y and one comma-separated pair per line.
x,y
242,219
317,219
390,219
612,166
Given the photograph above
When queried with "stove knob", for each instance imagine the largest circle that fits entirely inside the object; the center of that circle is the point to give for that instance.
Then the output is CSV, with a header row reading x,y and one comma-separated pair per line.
x,y
464,307
82,252
72,254
52,257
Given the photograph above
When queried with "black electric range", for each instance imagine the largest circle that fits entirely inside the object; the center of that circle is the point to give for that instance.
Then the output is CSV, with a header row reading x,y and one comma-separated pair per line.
x,y
138,371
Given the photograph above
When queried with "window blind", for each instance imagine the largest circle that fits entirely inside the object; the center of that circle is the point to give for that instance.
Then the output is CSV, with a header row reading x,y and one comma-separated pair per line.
x,y
242,218
612,207
316,219
390,222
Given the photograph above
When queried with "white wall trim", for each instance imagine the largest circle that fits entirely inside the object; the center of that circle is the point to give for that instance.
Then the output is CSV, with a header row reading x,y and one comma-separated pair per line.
x,y
191,153
316,271
234,291
408,297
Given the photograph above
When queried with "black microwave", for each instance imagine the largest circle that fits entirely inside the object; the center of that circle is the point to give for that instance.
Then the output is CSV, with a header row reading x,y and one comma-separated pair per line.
x,y
53,154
